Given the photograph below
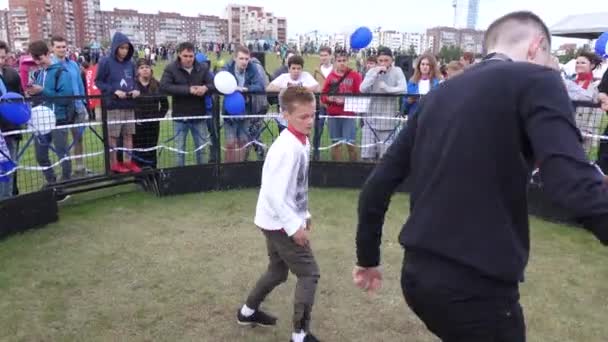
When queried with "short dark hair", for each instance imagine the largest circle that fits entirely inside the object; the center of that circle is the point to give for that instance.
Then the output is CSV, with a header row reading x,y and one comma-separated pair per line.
x,y
58,39
242,49
4,46
185,46
38,48
297,60
296,95
325,49
372,59
520,17
341,53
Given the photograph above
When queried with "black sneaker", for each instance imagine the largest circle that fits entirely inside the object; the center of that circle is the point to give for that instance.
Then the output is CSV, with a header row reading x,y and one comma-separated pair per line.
x,y
258,318
309,338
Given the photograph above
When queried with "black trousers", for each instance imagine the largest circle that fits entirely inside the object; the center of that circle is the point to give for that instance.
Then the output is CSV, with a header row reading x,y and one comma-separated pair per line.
x,y
146,136
467,311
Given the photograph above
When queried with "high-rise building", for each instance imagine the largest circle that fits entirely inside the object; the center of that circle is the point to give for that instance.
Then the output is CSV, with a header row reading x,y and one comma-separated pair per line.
x,y
4,25
28,21
466,39
248,23
466,13
86,13
74,20
164,28
472,14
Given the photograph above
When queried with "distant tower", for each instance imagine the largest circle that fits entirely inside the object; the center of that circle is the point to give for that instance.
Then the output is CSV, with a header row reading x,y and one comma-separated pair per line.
x,y
472,14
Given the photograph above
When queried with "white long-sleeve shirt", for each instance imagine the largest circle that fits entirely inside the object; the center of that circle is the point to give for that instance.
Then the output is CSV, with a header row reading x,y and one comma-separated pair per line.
x,y
283,198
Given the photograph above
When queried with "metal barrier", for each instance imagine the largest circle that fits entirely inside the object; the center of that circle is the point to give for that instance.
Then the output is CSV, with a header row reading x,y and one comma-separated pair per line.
x,y
210,150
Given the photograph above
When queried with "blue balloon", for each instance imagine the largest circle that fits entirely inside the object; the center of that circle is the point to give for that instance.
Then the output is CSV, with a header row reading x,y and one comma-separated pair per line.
x,y
361,38
16,111
601,45
201,57
6,167
234,104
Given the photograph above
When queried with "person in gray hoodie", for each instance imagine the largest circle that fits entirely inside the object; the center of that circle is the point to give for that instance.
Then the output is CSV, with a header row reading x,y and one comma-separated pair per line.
x,y
385,78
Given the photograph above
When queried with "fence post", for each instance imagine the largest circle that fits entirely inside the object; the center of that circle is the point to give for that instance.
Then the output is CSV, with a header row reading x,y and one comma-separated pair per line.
x,y
316,140
106,136
216,148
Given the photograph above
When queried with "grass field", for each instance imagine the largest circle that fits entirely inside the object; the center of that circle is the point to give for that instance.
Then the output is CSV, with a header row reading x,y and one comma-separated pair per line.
x,y
127,266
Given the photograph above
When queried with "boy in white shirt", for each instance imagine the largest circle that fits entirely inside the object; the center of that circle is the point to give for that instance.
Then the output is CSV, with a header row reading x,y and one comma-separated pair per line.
x,y
282,216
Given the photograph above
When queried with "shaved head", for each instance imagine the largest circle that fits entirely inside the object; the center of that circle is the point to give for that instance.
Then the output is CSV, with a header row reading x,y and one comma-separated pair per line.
x,y
515,28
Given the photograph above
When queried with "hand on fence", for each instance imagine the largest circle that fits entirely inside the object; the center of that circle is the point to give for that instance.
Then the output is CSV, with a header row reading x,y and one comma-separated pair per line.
x,y
134,93
121,94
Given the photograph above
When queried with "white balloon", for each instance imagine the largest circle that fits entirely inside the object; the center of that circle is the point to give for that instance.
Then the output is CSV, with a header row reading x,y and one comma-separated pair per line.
x,y
42,120
225,82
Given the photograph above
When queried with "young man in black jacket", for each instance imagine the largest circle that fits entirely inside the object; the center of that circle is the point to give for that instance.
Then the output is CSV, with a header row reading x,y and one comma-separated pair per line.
x,y
11,82
188,81
467,153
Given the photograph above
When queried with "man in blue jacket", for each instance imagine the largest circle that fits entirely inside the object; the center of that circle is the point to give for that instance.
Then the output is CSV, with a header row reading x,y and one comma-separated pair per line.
x,y
59,47
116,76
247,79
52,80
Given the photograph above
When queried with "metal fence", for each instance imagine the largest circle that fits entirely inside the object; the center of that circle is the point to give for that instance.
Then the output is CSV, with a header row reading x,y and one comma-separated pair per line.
x,y
63,153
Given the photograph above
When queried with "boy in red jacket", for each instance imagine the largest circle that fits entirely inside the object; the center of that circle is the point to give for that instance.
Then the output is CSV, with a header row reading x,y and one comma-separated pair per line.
x,y
342,80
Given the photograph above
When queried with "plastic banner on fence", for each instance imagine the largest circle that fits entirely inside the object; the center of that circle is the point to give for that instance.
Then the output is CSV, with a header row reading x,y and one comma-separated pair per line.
x,y
3,149
357,104
92,90
6,164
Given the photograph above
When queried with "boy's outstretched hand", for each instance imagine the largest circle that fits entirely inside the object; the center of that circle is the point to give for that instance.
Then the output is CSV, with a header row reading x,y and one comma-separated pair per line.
x,y
368,279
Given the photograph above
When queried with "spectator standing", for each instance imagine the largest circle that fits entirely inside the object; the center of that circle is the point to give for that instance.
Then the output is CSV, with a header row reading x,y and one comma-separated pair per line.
x,y
296,77
150,105
9,82
52,80
322,71
342,80
59,48
248,78
426,77
385,78
188,81
116,75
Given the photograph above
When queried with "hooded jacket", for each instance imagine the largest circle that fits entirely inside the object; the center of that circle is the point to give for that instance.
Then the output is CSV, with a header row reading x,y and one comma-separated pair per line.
x,y
113,75
54,85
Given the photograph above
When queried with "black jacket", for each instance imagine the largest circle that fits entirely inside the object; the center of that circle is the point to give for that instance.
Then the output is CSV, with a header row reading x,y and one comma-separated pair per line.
x,y
176,81
150,104
603,87
11,80
468,152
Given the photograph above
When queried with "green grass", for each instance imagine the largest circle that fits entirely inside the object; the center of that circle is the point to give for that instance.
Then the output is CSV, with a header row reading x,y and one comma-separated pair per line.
x,y
123,265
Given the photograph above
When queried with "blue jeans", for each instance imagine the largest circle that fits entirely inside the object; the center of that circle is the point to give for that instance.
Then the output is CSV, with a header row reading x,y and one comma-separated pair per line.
x,y
59,139
6,188
198,128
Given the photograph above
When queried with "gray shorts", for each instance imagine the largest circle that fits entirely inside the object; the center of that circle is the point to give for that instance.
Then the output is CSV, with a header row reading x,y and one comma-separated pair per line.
x,y
118,129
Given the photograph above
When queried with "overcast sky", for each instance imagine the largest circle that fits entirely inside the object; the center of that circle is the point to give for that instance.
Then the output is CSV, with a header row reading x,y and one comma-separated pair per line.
x,y
335,16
